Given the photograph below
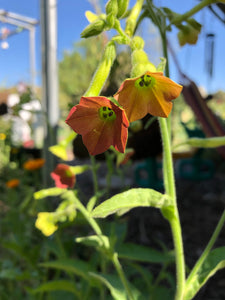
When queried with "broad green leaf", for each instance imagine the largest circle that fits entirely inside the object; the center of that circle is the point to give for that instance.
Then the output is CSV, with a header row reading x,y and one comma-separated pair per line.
x,y
125,201
142,253
48,192
95,241
56,285
214,262
78,267
115,286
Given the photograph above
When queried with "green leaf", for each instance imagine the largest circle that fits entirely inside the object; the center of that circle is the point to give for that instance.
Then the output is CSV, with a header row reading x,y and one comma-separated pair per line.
x,y
79,169
162,293
75,266
213,142
48,192
56,285
115,286
161,66
94,241
214,262
125,201
145,254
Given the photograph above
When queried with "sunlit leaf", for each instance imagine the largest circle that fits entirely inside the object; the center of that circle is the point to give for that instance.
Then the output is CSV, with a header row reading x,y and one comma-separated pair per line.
x,y
212,142
125,201
214,262
79,169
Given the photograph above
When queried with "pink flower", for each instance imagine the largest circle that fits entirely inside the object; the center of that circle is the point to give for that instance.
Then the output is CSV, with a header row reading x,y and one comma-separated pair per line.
x,y
63,176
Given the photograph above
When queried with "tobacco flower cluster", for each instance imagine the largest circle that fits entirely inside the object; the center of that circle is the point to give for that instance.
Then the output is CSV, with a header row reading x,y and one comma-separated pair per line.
x,y
103,122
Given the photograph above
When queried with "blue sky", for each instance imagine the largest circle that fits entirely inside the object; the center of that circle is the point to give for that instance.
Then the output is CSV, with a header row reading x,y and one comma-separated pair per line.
x,y
14,62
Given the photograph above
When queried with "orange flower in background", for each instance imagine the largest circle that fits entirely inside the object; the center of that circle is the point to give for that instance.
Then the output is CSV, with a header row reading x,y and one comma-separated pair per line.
x,y
150,93
13,183
101,124
63,176
34,164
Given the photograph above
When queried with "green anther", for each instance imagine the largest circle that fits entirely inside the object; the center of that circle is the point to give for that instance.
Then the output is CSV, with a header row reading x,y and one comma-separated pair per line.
x,y
106,113
145,81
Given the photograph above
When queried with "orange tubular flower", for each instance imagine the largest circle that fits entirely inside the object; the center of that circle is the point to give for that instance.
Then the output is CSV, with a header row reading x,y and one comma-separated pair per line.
x,y
34,164
150,93
63,176
101,124
13,183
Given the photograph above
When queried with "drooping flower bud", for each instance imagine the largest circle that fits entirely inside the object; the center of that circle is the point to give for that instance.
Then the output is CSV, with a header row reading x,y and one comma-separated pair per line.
x,y
94,28
122,7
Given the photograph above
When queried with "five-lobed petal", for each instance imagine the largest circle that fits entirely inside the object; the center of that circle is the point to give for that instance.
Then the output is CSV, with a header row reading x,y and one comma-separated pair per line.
x,y
101,124
150,93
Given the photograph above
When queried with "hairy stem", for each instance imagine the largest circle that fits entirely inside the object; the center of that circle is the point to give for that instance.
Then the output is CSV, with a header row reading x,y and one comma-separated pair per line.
x,y
174,220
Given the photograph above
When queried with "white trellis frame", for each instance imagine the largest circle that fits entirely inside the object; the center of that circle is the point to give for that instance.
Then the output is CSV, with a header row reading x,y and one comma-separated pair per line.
x,y
27,24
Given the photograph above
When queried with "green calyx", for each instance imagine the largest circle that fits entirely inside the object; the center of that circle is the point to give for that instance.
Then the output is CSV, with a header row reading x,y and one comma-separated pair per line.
x,y
145,81
69,173
106,114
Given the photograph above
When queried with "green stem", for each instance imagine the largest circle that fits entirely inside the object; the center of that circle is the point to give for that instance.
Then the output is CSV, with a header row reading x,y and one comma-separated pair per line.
x,y
207,249
121,274
94,174
168,174
97,229
192,11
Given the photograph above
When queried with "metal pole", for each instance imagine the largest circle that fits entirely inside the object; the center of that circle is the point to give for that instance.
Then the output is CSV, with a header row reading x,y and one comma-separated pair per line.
x,y
32,58
49,80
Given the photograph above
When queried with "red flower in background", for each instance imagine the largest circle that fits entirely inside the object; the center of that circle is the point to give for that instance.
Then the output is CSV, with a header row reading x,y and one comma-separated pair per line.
x,y
150,93
63,176
101,124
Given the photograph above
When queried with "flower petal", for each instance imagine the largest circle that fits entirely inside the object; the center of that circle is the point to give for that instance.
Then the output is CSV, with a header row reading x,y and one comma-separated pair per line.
x,y
150,93
101,124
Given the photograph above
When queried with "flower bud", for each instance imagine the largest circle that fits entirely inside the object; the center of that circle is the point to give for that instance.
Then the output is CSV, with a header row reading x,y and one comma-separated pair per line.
x,y
188,35
136,126
94,28
137,43
122,7
140,63
110,21
111,7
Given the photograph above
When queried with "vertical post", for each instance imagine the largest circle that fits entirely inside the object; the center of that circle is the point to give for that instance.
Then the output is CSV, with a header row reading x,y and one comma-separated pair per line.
x,y
32,58
49,80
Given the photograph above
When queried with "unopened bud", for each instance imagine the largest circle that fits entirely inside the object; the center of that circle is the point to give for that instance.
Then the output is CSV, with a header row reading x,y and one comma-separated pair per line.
x,y
122,7
140,63
188,35
94,28
137,43
111,7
